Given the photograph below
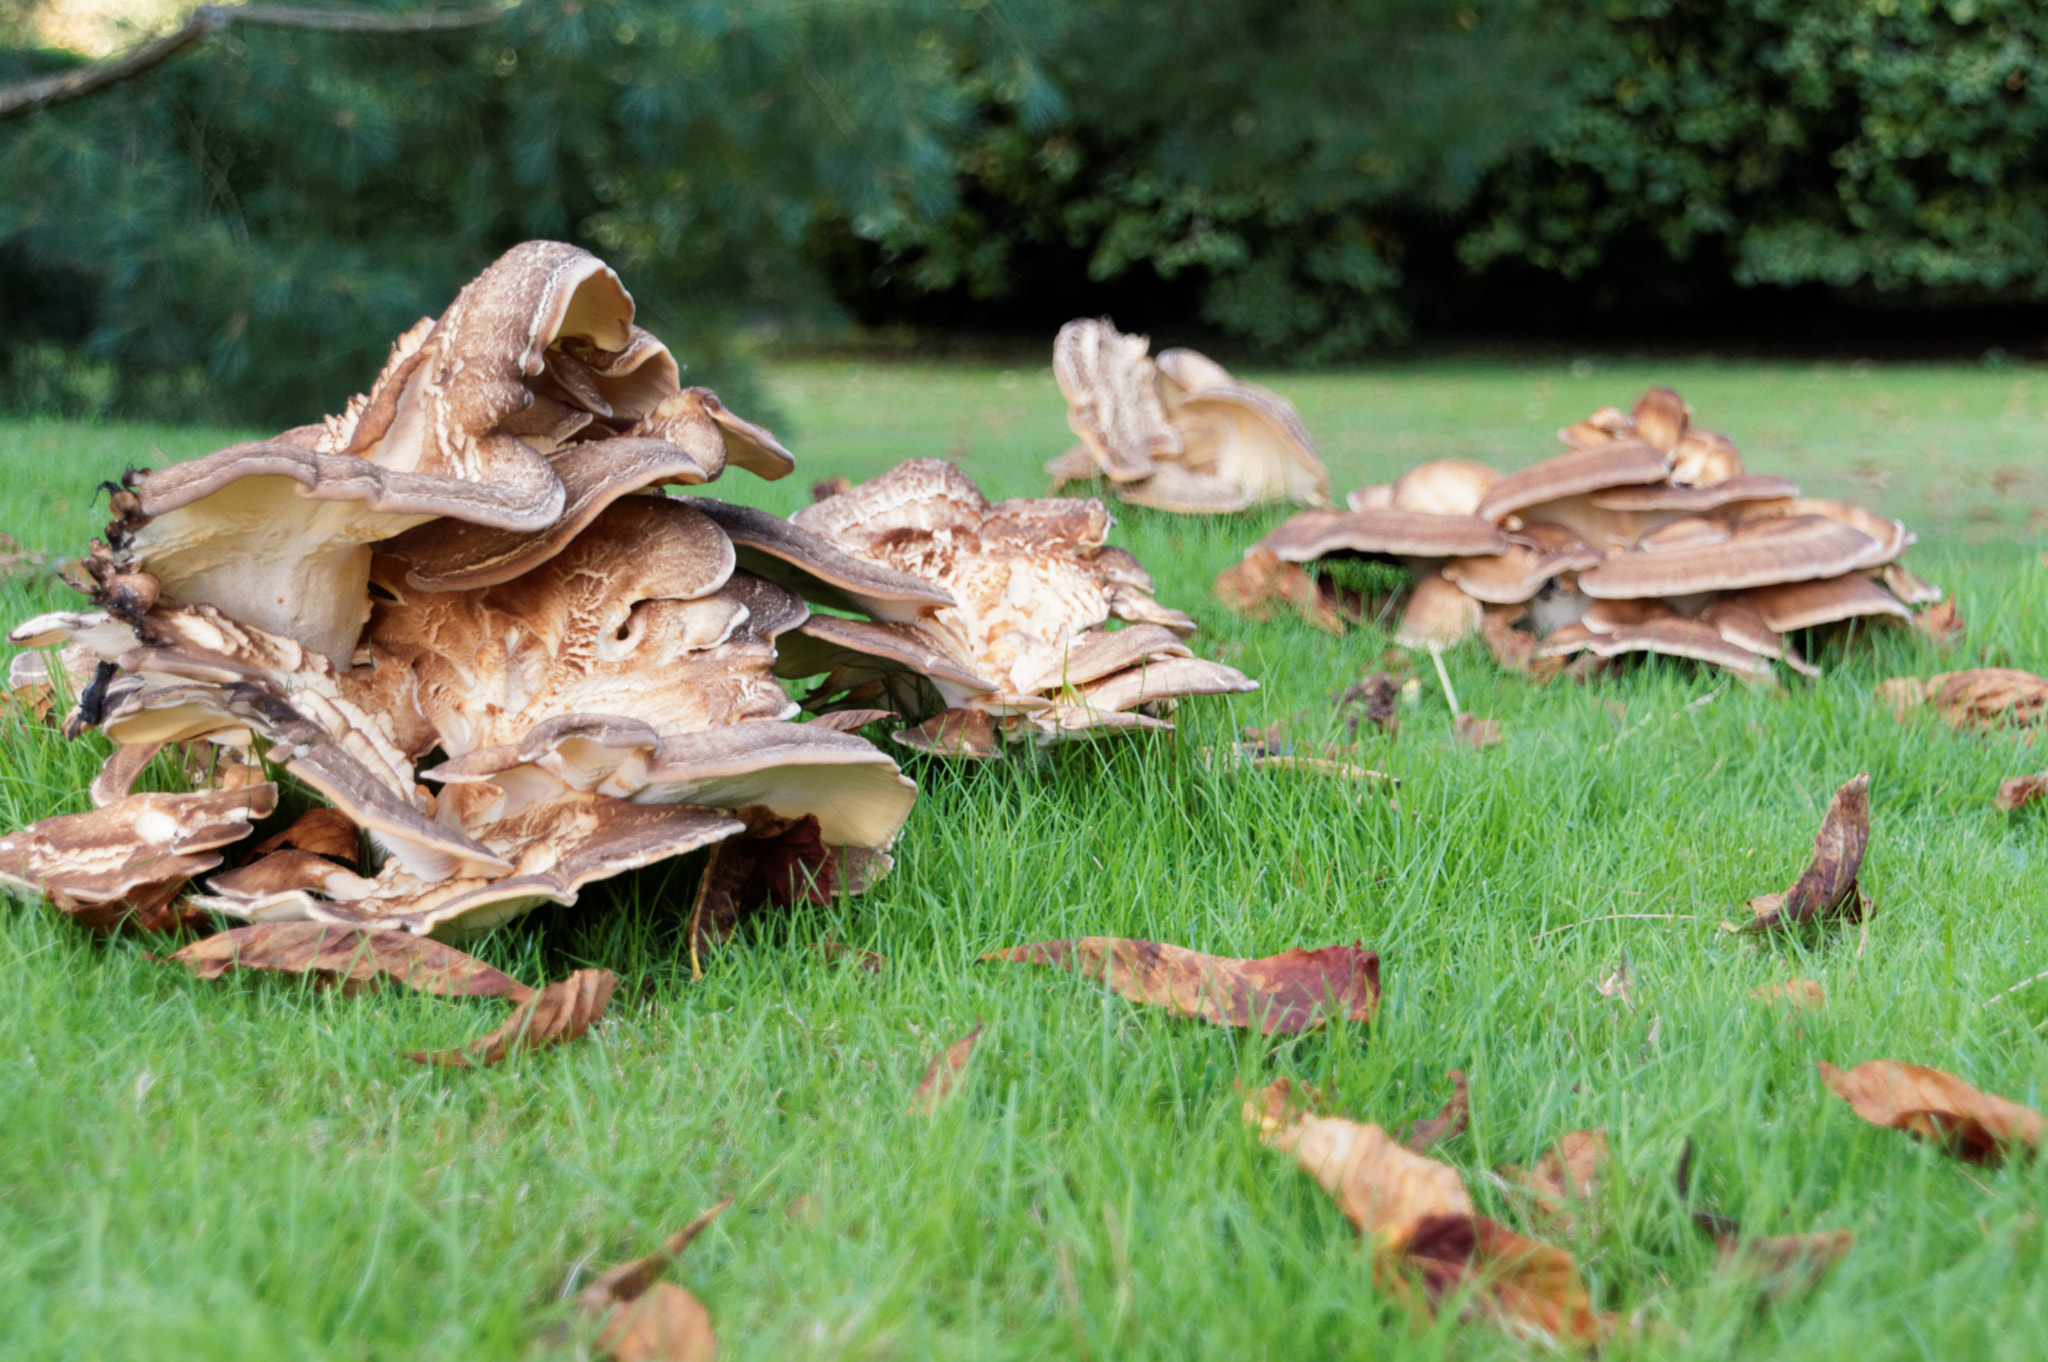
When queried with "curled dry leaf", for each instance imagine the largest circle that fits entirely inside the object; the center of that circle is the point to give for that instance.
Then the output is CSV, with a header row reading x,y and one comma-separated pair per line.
x,y
852,720
942,1076
1446,1124
557,1014
1981,699
646,1319
33,704
1477,733
1827,888
2020,791
350,956
1281,1103
1940,624
1933,1105
1280,994
1569,1171
323,832
1800,995
1529,1290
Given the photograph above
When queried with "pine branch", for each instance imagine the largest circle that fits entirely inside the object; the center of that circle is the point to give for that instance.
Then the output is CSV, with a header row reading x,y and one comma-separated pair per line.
x,y
27,96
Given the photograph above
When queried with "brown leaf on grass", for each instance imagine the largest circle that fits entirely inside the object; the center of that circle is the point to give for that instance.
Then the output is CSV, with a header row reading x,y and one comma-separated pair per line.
x,y
1449,1122
556,1015
871,962
2020,791
349,956
1529,1290
1279,994
1477,733
1253,586
1974,1126
1939,624
1800,995
1513,649
942,1076
1784,1264
1382,1188
1568,1172
777,862
1827,887
852,720
646,1319
35,703
1281,1103
1375,699
1982,699
323,832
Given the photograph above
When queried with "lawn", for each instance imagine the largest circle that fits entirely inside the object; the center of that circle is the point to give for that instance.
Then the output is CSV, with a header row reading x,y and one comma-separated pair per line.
x,y
247,1169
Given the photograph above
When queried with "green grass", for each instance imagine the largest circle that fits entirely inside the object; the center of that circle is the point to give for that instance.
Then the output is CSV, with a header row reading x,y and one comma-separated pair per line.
x,y
247,1169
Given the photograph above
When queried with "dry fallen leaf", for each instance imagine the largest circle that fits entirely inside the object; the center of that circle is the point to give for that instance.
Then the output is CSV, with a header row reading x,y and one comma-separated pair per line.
x,y
1827,888
1446,1124
1933,1105
350,956
1801,995
34,703
1982,699
1260,581
1939,624
852,720
942,1076
1279,994
323,832
1784,1264
557,1014
2020,791
648,1320
1513,649
1568,1172
1382,1188
1476,733
1529,1290
1278,1104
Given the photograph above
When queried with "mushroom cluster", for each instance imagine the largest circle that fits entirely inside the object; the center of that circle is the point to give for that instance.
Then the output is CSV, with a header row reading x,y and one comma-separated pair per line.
x,y
1177,433
1024,650
471,578
1647,535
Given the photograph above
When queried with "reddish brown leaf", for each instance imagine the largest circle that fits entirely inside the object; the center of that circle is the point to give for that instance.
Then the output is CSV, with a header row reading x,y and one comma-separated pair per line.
x,y
350,955
646,1319
777,862
1938,1106
1800,995
1827,888
1476,733
33,704
1382,1188
2020,791
1279,1104
1513,649
1568,1172
1280,994
942,1076
1447,1123
556,1015
852,720
1785,1264
1259,582
967,733
322,831
1529,1290
1981,699
1939,624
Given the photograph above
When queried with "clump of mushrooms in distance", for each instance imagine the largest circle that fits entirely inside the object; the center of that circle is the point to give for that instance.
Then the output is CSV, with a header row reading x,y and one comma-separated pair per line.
x,y
465,614
1647,535
1178,432
1014,639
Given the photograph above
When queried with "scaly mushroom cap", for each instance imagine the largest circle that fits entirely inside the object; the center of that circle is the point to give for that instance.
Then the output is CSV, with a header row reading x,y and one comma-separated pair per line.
x,y
275,532
1246,436
1113,400
1889,537
808,564
1691,500
1438,613
694,418
1808,604
1780,549
1173,488
1537,553
1310,535
640,616
1440,487
1618,463
1678,636
130,844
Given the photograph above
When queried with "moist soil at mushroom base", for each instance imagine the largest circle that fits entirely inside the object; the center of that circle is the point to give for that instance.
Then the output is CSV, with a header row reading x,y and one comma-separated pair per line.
x,y
244,1169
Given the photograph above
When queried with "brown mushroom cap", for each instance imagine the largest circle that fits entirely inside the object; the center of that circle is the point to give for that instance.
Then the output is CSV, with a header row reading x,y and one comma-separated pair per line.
x,y
1691,532
1566,640
1605,425
1378,497
1537,553
1310,535
1113,400
1252,439
1703,458
810,565
1186,370
1678,636
1164,680
1745,627
1908,586
1074,465
1097,653
851,787
1171,487
695,419
1763,553
1660,417
103,855
1609,617
1618,463
1889,537
1441,487
1438,612
1807,604
858,650
1692,500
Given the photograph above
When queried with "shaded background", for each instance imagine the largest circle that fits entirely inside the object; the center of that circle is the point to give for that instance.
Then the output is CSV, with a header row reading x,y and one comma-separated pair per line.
x,y
237,235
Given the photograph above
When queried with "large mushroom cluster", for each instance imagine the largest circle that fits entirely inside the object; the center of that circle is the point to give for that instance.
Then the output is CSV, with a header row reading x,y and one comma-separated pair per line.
x,y
1647,535
1024,650
465,615
1177,433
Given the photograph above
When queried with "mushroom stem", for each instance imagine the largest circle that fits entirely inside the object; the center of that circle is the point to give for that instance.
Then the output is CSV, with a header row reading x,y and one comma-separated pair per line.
x,y
1436,655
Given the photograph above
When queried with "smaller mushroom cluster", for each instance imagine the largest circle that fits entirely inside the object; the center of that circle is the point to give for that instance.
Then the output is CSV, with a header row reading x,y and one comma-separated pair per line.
x,y
1024,651
472,578
1177,433
1647,535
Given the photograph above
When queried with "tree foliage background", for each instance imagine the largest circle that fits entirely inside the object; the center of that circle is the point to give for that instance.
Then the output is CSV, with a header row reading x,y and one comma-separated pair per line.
x,y
241,232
